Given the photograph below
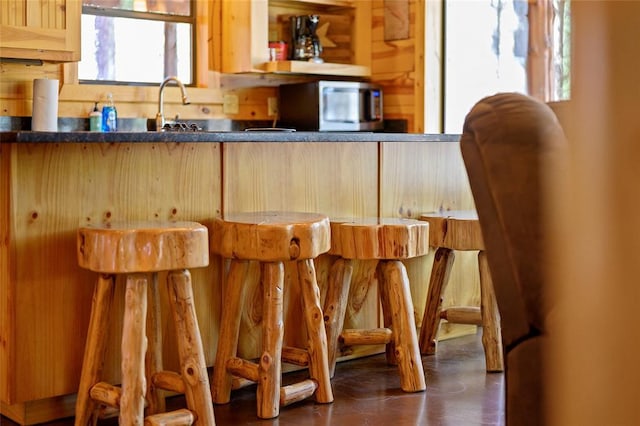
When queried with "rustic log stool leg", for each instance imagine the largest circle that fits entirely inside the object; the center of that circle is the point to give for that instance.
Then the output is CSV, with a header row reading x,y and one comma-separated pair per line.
x,y
95,349
137,250
442,264
335,306
450,231
191,352
134,347
272,238
314,319
491,335
405,339
221,380
269,366
389,241
387,313
153,359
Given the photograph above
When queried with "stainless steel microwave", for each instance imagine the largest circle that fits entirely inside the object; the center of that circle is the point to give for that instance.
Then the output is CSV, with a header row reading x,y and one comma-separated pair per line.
x,y
331,106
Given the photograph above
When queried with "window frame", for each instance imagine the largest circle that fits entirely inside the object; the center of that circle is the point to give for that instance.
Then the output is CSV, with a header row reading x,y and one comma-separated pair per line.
x,y
541,83
149,16
200,66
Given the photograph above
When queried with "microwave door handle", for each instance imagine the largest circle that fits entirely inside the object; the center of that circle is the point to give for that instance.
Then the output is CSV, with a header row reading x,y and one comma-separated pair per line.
x,y
369,106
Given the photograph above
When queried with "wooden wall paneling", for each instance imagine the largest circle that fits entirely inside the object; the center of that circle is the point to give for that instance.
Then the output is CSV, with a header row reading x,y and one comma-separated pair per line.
x,y
393,57
46,325
76,100
409,188
399,98
396,19
108,182
336,179
7,275
332,178
361,34
253,103
337,38
398,65
16,86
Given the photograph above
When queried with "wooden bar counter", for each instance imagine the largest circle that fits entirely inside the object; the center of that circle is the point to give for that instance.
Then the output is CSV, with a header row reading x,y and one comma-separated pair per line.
x,y
50,183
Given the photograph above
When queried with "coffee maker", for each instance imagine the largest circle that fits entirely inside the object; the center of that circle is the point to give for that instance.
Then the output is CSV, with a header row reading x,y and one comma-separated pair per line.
x,y
305,44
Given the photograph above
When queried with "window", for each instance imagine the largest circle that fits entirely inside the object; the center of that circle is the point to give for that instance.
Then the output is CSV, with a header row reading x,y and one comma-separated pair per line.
x,y
137,41
560,42
495,46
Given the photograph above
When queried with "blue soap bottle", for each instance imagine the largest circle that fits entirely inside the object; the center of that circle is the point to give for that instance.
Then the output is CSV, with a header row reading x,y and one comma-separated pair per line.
x,y
109,115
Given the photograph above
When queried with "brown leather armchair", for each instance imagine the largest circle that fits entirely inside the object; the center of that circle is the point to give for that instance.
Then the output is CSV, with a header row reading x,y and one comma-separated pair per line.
x,y
508,144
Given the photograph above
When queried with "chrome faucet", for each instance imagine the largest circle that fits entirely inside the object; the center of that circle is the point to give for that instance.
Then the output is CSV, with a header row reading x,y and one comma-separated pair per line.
x,y
185,99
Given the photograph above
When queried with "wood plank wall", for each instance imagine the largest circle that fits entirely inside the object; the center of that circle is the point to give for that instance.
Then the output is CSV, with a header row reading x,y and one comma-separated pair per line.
x,y
16,94
397,65
45,300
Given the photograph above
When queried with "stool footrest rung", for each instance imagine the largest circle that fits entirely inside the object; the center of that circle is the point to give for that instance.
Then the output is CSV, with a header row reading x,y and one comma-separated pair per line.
x,y
241,382
463,315
243,368
106,412
297,391
372,336
169,380
106,394
181,417
295,356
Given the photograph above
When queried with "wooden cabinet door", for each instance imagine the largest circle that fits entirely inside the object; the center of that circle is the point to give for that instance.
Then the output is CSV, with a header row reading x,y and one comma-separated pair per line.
x,y
45,30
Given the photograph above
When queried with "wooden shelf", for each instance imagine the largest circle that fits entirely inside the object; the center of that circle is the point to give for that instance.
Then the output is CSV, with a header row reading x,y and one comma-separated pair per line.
x,y
317,3
326,68
345,35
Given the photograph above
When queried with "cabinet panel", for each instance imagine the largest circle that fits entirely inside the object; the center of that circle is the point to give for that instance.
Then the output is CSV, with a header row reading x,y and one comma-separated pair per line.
x,y
422,177
43,30
45,298
336,179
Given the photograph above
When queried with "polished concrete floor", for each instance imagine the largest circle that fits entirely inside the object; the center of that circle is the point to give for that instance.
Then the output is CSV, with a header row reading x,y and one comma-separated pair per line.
x,y
367,392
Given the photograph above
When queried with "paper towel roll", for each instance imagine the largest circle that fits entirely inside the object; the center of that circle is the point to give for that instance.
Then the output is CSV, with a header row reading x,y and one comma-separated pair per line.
x,y
45,105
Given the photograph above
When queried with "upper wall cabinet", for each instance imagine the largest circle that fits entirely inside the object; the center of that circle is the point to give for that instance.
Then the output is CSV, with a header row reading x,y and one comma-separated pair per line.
x,y
46,30
344,30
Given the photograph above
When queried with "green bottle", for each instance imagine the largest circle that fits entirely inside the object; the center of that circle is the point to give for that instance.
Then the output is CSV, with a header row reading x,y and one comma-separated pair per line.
x,y
95,119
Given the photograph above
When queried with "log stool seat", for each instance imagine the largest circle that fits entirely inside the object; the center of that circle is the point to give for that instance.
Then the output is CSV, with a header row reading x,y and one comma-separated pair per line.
x,y
451,231
136,251
389,241
271,238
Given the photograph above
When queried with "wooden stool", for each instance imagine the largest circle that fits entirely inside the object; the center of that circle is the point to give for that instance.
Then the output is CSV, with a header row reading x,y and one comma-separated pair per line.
x,y
389,241
272,238
460,230
135,250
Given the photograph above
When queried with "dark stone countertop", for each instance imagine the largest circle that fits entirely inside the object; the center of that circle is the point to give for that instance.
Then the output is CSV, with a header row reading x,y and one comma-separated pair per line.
x,y
219,136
